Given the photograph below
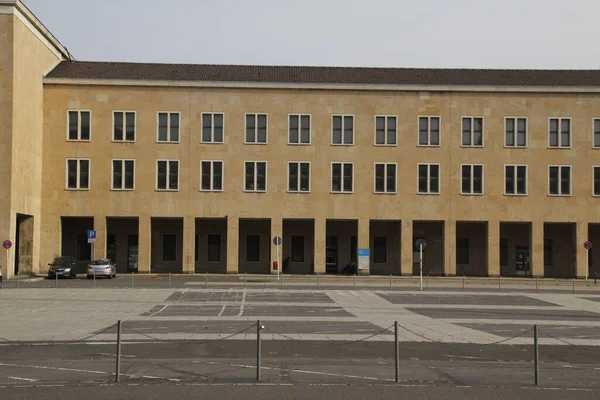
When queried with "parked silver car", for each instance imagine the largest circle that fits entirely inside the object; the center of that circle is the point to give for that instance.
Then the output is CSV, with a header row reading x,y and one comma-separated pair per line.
x,y
103,267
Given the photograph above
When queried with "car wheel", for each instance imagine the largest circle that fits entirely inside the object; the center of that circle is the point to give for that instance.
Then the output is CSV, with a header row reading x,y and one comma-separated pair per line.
x,y
89,277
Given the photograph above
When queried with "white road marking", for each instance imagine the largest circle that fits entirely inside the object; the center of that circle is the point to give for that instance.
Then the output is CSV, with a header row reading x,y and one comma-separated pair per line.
x,y
222,310
113,355
243,303
467,357
22,379
161,310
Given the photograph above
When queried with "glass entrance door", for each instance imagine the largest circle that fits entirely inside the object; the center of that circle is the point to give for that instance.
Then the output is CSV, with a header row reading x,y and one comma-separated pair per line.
x,y
331,255
522,264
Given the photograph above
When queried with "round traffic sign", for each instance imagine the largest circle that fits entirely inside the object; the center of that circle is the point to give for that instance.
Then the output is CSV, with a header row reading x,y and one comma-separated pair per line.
x,y
587,245
277,240
421,242
7,244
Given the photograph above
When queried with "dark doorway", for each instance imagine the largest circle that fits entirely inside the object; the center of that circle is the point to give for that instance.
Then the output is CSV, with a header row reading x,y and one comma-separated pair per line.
x,y
74,240
331,255
522,261
122,242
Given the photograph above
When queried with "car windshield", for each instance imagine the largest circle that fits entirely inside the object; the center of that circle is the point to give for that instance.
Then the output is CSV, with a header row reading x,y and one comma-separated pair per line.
x,y
100,262
60,260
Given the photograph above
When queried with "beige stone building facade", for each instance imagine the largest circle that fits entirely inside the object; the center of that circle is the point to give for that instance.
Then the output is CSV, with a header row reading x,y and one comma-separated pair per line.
x,y
196,168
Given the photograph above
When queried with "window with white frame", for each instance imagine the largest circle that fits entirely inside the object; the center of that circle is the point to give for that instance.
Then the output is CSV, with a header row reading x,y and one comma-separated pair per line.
x,y
211,175
342,177
212,128
342,130
168,127
79,125
429,131
429,179
167,175
385,178
78,173
472,179
299,129
123,174
298,177
515,132
255,173
124,126
596,133
472,132
515,180
596,181
256,128
559,134
559,177
386,130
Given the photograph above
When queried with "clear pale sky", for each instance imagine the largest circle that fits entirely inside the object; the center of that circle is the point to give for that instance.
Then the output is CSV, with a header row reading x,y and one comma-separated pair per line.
x,y
387,33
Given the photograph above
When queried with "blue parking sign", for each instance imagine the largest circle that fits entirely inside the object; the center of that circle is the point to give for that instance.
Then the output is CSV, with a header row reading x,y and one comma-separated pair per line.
x,y
363,252
91,234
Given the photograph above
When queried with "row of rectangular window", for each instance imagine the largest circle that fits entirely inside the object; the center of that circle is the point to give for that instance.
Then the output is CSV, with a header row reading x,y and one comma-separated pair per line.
x,y
342,129
342,177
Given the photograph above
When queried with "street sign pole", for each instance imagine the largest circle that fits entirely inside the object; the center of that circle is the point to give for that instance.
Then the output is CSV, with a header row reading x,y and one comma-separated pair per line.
x,y
587,245
421,264
7,244
278,264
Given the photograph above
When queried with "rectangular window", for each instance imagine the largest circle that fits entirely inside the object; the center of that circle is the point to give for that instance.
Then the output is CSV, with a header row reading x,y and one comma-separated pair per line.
x,y
515,180
167,175
213,252
169,247
462,251
342,131
342,177
212,128
559,134
472,179
596,181
168,127
123,174
124,126
596,133
429,179
255,173
559,180
385,130
472,132
385,178
503,251
299,129
79,125
380,249
297,248
515,132
298,177
256,128
548,253
78,173
429,131
253,248
211,173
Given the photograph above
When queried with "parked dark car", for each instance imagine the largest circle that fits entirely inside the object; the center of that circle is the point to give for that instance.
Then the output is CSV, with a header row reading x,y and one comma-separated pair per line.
x,y
62,267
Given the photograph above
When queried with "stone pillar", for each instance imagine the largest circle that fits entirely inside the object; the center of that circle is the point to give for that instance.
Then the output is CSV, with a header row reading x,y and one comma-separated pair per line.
x,y
450,248
320,245
406,252
364,242
581,266
100,245
537,249
276,230
189,245
493,248
233,247
144,244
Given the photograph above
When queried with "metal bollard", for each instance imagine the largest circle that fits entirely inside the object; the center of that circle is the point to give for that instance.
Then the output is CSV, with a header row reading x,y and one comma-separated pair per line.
x,y
499,284
318,283
463,283
132,280
258,328
573,285
55,279
390,281
118,372
536,284
169,280
536,355
397,351
206,279
354,281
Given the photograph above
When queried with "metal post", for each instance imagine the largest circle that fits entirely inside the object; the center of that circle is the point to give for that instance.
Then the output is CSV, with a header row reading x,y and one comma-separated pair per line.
x,y
206,279
573,285
94,277
169,280
397,351
390,281
536,284
318,283
421,265
55,279
132,280
258,327
118,373
278,263
463,283
245,279
536,355
499,284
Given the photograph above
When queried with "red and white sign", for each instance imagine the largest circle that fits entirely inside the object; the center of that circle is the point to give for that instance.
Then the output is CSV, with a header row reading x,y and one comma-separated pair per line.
x,y
7,244
587,245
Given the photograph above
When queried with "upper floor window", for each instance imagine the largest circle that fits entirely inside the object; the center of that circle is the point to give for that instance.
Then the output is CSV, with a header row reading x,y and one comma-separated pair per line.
x,y
78,173
515,132
124,126
559,134
298,177
472,132
429,179
385,178
167,175
211,175
212,128
79,125
342,131
255,176
559,180
386,130
596,181
123,174
299,129
168,127
472,179
256,128
429,131
515,180
596,133
342,177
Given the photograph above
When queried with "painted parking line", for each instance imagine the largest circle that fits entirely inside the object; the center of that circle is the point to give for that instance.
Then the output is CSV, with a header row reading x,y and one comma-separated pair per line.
x,y
22,379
